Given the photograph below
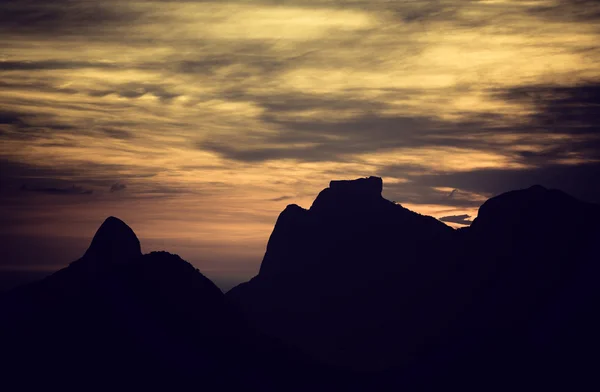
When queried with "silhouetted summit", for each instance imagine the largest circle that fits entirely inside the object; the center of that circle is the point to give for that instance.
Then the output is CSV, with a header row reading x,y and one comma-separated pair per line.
x,y
114,242
355,193
116,317
348,220
359,281
531,206
343,270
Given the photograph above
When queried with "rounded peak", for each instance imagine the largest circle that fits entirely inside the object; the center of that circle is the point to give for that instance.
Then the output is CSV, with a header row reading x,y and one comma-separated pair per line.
x,y
537,203
293,209
114,222
292,215
114,242
537,188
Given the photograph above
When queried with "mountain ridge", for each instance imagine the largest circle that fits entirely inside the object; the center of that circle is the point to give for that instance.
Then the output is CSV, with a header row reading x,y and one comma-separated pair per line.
x,y
356,292
410,256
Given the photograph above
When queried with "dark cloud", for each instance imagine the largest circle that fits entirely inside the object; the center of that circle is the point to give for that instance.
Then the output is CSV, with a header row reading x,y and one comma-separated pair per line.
x,y
117,133
72,190
133,90
66,17
117,187
14,174
21,125
251,59
63,144
427,11
314,153
459,219
51,65
569,10
323,140
36,85
282,198
559,109
9,118
277,104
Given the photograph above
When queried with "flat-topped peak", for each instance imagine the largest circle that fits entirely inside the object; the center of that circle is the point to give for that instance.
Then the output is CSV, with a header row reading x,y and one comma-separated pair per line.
x,y
349,193
364,186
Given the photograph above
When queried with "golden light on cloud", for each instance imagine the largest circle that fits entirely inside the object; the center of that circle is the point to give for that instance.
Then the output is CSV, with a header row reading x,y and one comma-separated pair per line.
x,y
223,112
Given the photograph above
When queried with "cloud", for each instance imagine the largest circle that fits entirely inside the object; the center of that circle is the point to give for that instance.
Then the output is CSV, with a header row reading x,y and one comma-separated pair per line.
x,y
72,190
14,174
117,187
117,133
459,219
51,65
558,109
554,113
323,139
172,97
38,17
282,198
136,90
568,10
9,118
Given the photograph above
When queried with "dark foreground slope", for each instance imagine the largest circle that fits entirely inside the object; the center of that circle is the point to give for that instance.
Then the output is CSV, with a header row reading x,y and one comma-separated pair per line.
x,y
118,319
360,282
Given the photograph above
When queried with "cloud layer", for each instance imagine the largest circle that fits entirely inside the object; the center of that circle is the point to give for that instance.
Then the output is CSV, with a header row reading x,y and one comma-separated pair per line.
x,y
211,111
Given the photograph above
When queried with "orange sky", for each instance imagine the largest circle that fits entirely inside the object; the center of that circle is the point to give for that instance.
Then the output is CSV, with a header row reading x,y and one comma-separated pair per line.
x,y
197,122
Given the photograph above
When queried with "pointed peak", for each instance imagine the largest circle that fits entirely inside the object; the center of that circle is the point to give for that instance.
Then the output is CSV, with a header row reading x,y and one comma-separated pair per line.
x,y
114,242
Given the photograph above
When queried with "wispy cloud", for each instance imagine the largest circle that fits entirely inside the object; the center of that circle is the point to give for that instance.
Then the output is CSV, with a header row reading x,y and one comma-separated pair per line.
x,y
458,219
222,107
117,187
72,190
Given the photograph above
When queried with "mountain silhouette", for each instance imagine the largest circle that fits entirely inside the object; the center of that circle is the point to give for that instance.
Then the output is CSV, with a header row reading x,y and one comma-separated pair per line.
x,y
360,282
117,317
354,293
114,242
343,277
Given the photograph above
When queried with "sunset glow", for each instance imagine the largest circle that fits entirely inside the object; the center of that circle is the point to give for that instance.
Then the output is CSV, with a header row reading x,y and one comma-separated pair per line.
x,y
197,122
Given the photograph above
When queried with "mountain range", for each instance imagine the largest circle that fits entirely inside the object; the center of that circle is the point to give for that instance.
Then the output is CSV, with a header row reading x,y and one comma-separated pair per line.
x,y
354,293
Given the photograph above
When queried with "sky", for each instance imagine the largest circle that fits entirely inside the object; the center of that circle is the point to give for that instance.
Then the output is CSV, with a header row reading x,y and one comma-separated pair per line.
x,y
197,122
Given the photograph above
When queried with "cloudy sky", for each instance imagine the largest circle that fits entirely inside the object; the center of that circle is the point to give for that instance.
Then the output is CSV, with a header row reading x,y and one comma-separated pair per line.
x,y
197,122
